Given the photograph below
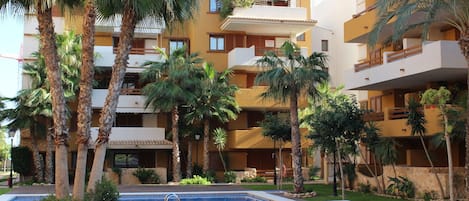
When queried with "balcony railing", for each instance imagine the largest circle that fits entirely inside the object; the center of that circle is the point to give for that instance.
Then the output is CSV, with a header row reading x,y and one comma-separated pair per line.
x,y
272,2
140,51
404,53
398,113
368,63
126,91
393,56
373,116
368,9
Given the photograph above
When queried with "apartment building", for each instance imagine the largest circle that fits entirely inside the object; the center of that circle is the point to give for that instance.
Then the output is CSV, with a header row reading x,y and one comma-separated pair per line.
x,y
235,42
392,73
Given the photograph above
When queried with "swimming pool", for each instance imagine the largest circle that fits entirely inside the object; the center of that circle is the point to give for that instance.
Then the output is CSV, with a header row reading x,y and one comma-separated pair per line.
x,y
183,196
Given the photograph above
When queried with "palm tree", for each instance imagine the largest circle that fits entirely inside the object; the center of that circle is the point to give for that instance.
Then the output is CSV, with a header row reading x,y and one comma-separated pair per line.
x,y
219,139
452,12
174,82
84,101
216,101
132,12
417,121
43,11
287,78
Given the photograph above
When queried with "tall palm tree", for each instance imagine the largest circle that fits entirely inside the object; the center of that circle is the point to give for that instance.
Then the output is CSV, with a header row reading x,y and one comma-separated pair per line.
x,y
216,101
84,101
132,12
173,82
43,11
451,12
287,78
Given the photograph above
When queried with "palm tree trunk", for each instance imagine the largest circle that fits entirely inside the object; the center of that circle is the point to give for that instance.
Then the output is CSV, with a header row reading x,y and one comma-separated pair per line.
x,y
380,190
38,167
84,104
110,105
189,159
206,139
296,144
176,154
464,45
49,50
431,165
450,155
49,156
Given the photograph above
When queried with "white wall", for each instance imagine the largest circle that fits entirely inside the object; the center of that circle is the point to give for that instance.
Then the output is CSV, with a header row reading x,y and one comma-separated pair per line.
x,y
331,16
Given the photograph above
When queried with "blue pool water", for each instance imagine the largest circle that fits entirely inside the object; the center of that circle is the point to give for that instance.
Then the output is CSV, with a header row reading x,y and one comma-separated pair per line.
x,y
183,197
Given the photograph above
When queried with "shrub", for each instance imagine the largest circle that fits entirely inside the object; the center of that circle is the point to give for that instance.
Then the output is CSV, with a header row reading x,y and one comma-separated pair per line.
x,y
313,172
21,158
364,188
401,186
105,190
432,195
197,169
146,176
230,177
195,180
256,179
210,175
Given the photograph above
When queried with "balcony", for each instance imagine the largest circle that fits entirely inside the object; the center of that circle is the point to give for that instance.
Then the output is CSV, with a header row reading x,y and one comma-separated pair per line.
x,y
264,19
249,98
246,58
393,121
416,65
146,27
137,57
253,139
129,101
140,138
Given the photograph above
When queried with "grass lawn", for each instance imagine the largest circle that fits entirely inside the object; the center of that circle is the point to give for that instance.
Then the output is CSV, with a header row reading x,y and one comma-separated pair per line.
x,y
324,192
4,190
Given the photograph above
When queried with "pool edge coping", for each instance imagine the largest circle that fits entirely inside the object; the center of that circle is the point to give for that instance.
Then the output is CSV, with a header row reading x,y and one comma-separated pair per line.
x,y
260,194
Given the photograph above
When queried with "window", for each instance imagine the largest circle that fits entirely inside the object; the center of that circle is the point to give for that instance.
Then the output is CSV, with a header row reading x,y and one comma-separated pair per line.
x,y
324,45
128,120
217,43
215,6
126,160
176,44
301,37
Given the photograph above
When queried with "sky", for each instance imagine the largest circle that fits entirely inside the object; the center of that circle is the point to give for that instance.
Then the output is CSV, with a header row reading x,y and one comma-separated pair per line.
x,y
11,38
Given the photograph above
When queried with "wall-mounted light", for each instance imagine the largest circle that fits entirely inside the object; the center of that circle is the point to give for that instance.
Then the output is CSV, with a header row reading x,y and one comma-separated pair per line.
x,y
402,70
367,78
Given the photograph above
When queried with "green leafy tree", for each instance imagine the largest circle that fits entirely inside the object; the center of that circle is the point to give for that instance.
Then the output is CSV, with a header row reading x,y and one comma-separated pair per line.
x,y
451,12
416,121
131,13
278,129
440,97
336,124
173,82
216,101
286,78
